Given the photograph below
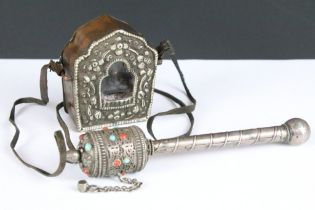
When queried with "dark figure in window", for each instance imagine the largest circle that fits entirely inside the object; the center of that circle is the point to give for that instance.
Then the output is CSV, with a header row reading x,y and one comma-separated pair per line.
x,y
118,84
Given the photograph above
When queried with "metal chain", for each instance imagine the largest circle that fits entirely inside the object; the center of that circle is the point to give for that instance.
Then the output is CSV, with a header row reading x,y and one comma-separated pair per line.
x,y
83,186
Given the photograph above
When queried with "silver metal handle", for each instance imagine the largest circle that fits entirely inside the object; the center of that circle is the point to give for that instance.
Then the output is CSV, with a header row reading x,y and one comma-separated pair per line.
x,y
295,131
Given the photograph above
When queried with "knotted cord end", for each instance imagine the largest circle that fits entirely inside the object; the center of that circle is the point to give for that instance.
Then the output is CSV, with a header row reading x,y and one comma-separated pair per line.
x,y
56,67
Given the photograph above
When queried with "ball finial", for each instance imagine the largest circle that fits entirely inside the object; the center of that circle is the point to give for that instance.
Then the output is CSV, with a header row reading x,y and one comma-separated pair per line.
x,y
299,130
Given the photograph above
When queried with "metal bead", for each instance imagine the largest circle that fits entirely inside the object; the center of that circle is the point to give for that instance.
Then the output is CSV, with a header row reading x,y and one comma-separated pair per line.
x,y
73,156
82,186
299,130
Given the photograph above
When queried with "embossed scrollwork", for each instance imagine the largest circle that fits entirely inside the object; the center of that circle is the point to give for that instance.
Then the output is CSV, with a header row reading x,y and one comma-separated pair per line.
x,y
140,59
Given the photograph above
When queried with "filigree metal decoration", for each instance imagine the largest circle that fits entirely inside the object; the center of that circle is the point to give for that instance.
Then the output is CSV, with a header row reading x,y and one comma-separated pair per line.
x,y
119,150
92,110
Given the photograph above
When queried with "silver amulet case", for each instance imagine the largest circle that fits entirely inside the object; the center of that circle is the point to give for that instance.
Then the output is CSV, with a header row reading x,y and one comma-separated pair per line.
x,y
117,151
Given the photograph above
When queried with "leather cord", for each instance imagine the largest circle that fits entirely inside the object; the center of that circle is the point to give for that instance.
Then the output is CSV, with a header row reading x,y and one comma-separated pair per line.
x,y
163,48
58,134
64,127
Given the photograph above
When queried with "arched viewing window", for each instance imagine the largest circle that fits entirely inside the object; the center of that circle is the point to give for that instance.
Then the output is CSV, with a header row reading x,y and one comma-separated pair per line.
x,y
118,84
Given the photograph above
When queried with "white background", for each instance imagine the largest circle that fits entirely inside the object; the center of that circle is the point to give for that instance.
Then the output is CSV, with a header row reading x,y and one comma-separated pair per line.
x,y
231,95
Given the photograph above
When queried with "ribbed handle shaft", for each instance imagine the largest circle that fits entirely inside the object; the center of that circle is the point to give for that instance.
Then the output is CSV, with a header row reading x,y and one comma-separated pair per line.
x,y
294,131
